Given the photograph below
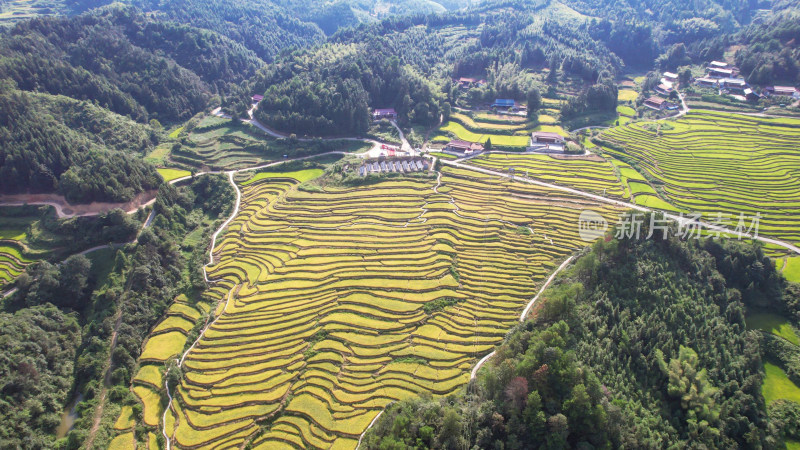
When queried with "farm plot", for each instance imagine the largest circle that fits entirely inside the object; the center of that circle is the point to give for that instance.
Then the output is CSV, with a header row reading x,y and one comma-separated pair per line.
x,y
172,174
14,251
722,164
481,128
167,340
589,173
12,262
222,145
336,303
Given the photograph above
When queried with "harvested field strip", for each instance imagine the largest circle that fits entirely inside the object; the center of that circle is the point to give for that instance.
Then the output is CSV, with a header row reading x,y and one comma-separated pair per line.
x,y
326,320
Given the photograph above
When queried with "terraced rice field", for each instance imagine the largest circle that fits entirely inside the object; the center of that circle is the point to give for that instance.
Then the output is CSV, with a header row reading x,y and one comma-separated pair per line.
x,y
12,262
321,321
592,173
458,131
159,155
503,131
13,237
720,163
224,146
172,174
167,340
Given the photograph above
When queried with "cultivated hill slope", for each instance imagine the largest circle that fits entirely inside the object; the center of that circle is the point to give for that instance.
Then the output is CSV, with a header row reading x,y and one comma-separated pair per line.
x,y
641,344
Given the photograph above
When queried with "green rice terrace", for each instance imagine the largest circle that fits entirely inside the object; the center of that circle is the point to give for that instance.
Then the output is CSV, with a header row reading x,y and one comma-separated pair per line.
x,y
718,163
15,248
334,302
504,131
216,142
221,144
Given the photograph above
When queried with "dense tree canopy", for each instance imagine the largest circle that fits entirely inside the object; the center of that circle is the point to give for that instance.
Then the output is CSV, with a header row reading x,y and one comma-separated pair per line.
x,y
84,152
124,61
770,54
39,347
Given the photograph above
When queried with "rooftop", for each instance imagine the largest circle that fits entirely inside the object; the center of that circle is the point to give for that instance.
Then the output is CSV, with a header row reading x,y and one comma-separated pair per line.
x,y
546,134
457,143
737,81
717,70
505,102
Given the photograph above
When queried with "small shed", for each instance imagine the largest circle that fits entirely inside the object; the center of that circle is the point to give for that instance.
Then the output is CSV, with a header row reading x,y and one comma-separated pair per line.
x,y
505,103
463,147
546,137
384,113
657,103
706,81
719,73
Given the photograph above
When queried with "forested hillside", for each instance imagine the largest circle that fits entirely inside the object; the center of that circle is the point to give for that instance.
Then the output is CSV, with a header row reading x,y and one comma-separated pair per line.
x,y
36,369
54,143
268,26
771,54
641,344
408,62
114,75
51,352
125,62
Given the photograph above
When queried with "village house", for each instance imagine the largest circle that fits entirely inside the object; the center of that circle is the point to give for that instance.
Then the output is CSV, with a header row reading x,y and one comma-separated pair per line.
x,y
460,147
670,77
257,98
466,83
656,103
548,142
664,89
783,91
718,65
733,84
504,103
705,81
714,72
749,95
546,137
384,113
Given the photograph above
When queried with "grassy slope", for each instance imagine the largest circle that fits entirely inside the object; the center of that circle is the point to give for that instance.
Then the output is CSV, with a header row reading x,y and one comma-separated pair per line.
x,y
775,324
777,385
